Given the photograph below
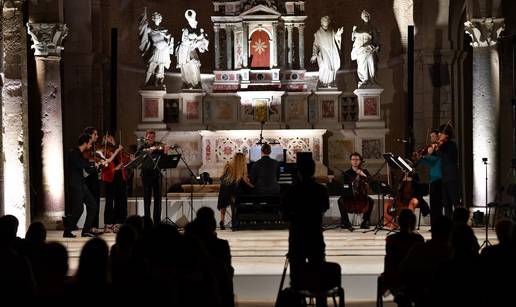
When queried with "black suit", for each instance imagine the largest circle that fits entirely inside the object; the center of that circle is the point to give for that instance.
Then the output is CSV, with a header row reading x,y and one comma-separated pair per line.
x,y
264,176
78,191
450,176
151,179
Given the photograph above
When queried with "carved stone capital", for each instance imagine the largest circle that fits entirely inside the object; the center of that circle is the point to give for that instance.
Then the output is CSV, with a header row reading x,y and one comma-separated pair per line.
x,y
484,32
47,38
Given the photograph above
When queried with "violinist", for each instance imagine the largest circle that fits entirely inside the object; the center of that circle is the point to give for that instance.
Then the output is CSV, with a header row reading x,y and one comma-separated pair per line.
x,y
428,156
114,179
78,191
92,181
151,151
448,153
354,199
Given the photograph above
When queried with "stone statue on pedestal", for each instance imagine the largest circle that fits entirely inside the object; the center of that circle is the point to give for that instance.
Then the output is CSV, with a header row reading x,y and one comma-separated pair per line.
x,y
365,47
192,39
326,50
156,45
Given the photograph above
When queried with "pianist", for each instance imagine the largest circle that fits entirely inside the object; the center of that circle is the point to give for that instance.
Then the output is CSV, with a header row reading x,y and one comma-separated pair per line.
x,y
265,173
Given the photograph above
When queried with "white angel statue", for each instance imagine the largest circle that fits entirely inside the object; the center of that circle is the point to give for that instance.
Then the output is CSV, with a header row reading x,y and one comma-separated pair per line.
x,y
193,39
156,45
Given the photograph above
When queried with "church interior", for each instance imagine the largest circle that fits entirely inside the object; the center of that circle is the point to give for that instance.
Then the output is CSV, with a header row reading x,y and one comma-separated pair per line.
x,y
215,78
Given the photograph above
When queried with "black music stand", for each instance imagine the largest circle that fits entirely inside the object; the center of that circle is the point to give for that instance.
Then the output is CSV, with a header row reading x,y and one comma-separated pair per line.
x,y
193,179
164,163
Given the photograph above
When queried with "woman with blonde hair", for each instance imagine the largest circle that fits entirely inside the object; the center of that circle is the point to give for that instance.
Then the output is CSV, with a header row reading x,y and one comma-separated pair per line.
x,y
234,181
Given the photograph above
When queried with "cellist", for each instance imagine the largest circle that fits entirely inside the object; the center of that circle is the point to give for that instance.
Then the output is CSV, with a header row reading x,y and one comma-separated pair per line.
x,y
354,198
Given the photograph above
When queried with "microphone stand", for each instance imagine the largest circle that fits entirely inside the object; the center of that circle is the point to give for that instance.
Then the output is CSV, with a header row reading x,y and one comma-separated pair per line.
x,y
486,241
192,179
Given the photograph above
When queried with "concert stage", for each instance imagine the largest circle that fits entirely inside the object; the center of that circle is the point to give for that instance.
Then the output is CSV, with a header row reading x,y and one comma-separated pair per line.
x,y
259,256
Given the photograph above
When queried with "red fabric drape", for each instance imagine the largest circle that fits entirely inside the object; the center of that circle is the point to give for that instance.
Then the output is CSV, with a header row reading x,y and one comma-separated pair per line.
x,y
260,49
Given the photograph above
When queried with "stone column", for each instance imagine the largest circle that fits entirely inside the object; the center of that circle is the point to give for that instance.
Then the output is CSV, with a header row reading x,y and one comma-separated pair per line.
x,y
289,46
15,144
274,45
229,47
245,45
2,209
47,41
216,43
486,105
301,30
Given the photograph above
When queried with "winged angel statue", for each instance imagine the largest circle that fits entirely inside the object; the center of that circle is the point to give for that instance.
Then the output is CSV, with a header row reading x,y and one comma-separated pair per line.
x,y
156,45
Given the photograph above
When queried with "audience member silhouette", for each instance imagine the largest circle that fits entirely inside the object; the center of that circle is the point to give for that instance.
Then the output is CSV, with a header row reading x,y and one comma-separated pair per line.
x,y
92,274
16,278
122,264
461,215
457,281
497,263
53,273
418,266
396,247
304,206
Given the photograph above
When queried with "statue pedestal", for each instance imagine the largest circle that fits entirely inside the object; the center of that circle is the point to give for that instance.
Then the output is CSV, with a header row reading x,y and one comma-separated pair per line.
x,y
191,109
369,104
327,102
152,110
370,129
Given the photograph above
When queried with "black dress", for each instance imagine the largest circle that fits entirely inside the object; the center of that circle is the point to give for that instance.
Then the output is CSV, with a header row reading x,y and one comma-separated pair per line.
x,y
228,191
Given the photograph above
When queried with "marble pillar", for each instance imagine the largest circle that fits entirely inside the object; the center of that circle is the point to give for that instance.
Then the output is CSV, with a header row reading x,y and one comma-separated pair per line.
x,y
301,31
245,45
47,39
486,105
2,209
15,142
216,43
229,47
289,45
274,45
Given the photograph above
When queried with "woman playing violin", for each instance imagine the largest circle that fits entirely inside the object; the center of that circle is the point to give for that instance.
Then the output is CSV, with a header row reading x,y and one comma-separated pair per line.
x,y
354,198
114,179
433,161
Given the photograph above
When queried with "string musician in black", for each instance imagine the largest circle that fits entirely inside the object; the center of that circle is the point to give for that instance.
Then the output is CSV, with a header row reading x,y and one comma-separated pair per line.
x,y
78,168
354,198
150,153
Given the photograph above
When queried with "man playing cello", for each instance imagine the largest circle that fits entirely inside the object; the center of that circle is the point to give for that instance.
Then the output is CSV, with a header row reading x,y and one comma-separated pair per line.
x,y
354,198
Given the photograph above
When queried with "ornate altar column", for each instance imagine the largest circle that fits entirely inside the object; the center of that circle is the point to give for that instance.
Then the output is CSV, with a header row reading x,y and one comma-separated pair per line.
x,y
289,46
245,45
15,141
274,50
216,38
486,105
48,43
301,31
229,47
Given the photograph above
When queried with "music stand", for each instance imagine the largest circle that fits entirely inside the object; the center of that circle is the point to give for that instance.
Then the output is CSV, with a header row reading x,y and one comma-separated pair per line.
x,y
164,163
